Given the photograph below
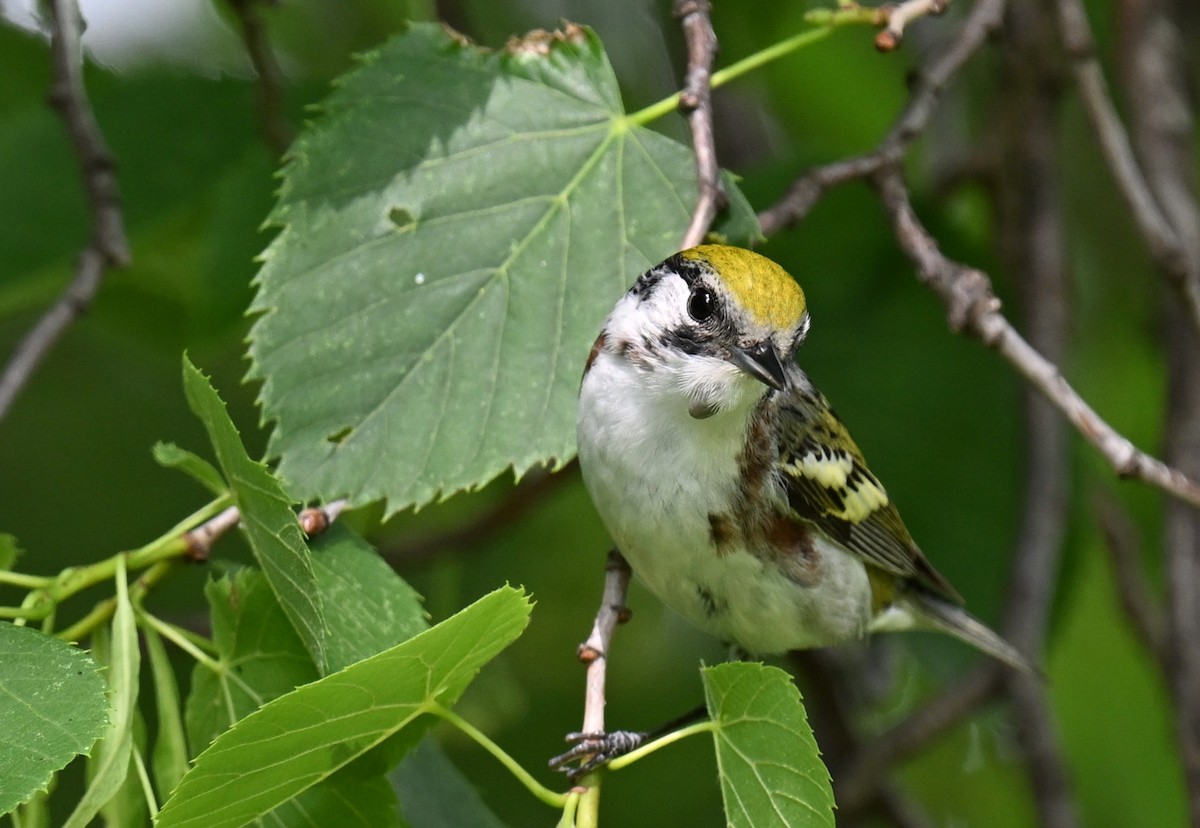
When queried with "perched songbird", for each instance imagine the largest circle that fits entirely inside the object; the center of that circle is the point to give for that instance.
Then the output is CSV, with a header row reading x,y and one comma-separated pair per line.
x,y
727,481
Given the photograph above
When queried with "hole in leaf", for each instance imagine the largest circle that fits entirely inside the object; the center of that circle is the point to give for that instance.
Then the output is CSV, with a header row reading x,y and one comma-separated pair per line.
x,y
403,219
341,435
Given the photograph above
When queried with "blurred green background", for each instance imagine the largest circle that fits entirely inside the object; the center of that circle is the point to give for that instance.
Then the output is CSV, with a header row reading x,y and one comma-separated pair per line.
x,y
936,414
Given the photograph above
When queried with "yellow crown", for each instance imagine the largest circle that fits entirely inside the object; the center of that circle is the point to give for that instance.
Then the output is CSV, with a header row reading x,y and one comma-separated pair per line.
x,y
768,292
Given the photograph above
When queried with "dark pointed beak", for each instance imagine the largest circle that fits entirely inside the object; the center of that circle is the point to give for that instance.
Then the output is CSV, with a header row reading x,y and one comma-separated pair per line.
x,y
762,362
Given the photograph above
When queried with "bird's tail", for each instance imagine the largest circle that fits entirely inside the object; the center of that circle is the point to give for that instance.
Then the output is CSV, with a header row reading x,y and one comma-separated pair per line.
x,y
945,616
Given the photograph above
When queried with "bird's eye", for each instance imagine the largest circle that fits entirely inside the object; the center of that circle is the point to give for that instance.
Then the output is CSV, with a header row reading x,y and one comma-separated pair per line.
x,y
701,304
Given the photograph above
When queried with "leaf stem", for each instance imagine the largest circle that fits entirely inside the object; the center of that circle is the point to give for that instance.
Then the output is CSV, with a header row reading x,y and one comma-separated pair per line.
x,y
765,56
147,789
551,798
672,737
569,809
735,70
180,639
20,579
170,544
589,800
46,593
105,609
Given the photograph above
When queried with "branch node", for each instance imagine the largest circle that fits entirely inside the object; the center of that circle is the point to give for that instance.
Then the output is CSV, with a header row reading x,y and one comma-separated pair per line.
x,y
587,654
197,548
315,520
887,40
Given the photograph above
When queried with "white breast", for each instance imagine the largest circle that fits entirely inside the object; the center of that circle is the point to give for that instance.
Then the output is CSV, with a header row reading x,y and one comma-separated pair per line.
x,y
656,474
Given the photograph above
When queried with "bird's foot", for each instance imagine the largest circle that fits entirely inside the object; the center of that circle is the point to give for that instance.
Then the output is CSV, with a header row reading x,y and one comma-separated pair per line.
x,y
591,750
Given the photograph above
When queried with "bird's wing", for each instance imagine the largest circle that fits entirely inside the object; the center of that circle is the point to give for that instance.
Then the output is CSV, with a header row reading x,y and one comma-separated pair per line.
x,y
829,485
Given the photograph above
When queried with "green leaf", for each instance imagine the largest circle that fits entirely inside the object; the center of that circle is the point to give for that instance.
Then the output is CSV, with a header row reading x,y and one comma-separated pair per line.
x,y
305,736
434,794
9,551
771,770
370,609
110,764
170,754
258,649
454,230
262,658
267,516
195,467
127,807
52,707
344,800
368,606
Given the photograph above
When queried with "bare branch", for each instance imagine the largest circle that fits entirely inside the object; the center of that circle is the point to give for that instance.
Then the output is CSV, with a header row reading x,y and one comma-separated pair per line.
x,y
696,103
1162,239
594,651
1181,542
1033,240
899,16
1038,734
201,539
860,784
1124,554
107,245
831,690
984,19
972,307
1163,122
276,131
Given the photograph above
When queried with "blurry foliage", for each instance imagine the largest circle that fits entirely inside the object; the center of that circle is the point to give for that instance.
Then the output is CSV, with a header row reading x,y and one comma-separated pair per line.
x,y
935,413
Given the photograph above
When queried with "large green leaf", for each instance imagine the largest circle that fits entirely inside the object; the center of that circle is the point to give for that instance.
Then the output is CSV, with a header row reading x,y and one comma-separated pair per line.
x,y
453,230
434,794
371,607
267,516
305,736
262,658
771,770
52,707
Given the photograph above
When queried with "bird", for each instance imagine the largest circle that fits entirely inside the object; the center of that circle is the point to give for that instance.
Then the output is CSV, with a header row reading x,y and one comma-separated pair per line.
x,y
728,482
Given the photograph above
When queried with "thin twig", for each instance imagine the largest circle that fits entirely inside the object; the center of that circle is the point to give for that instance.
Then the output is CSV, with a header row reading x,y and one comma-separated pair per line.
x,y
900,15
276,131
107,245
1033,239
696,103
831,698
1163,119
1181,544
1162,239
1124,549
860,783
594,651
1037,732
201,539
984,19
972,307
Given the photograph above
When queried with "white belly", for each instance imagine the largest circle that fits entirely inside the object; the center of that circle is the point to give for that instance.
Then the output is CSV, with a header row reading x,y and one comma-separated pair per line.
x,y
656,475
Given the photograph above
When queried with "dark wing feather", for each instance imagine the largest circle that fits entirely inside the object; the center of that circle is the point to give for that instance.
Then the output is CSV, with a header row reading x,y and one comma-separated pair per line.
x,y
829,485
